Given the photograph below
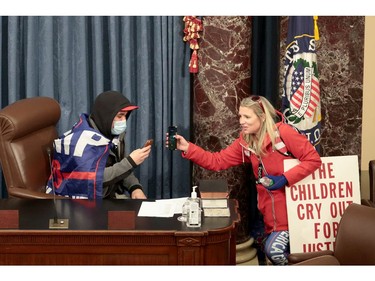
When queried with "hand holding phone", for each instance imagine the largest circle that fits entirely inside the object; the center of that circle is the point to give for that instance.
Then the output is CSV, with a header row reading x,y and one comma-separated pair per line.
x,y
172,142
148,142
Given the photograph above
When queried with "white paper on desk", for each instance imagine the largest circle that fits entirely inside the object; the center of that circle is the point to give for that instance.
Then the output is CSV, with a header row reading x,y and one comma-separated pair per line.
x,y
178,202
156,209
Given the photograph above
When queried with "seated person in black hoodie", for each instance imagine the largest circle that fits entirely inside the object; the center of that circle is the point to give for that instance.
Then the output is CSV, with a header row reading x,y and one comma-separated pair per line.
x,y
110,112
90,161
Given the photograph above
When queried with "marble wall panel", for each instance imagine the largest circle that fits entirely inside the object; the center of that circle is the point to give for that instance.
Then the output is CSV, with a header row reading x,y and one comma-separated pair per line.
x,y
223,80
340,65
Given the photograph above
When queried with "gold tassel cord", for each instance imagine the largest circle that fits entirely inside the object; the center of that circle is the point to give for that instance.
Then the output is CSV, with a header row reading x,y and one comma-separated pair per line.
x,y
316,29
193,25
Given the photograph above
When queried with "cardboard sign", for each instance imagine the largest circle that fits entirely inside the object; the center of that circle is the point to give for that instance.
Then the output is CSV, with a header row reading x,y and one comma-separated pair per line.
x,y
316,203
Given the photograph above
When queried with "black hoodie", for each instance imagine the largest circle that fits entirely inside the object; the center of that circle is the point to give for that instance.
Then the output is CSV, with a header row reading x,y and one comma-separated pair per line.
x,y
105,108
119,176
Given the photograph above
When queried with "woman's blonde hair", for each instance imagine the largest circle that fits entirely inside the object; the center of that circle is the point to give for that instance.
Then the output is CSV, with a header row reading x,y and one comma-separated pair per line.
x,y
265,111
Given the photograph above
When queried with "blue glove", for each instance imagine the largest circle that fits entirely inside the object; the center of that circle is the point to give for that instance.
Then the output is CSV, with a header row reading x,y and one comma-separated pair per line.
x,y
278,182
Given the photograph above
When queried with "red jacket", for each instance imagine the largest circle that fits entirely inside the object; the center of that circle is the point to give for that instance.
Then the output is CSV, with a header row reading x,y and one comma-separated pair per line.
x,y
272,204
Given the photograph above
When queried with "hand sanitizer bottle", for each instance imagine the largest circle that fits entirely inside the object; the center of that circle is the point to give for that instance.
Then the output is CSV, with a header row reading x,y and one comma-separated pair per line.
x,y
194,214
185,209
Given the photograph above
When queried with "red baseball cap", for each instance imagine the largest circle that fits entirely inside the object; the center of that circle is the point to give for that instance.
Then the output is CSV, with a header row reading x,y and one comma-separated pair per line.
x,y
129,108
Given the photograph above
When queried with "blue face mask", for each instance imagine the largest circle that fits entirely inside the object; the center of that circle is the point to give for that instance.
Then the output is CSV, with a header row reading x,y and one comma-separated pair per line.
x,y
118,127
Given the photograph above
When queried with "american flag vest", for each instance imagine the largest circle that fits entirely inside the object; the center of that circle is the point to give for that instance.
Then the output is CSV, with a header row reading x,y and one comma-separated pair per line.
x,y
79,159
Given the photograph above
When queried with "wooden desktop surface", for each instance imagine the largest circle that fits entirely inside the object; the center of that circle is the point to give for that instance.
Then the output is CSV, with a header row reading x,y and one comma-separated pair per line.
x,y
93,239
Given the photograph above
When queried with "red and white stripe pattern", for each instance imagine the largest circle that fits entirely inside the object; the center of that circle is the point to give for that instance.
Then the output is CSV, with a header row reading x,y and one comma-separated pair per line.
x,y
307,97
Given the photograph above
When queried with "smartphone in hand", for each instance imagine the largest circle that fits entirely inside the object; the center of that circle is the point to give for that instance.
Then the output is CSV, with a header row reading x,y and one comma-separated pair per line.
x,y
172,142
148,142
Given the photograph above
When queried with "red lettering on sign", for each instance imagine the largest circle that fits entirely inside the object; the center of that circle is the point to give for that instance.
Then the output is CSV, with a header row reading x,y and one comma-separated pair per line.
x,y
325,171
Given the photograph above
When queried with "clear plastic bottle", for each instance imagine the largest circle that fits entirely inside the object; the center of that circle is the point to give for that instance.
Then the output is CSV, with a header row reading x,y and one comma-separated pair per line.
x,y
185,209
194,214
266,181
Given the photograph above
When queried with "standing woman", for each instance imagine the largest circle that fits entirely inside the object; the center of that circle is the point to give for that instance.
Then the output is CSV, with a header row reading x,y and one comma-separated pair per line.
x,y
265,144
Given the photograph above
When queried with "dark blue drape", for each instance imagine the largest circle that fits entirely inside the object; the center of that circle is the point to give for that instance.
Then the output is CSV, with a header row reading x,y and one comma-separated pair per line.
x,y
265,58
73,59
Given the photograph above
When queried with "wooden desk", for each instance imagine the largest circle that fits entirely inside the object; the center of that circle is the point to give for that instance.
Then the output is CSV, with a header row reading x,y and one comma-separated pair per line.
x,y
88,241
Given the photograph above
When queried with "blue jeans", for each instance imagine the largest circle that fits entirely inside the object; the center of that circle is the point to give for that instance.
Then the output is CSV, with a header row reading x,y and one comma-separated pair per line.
x,y
277,247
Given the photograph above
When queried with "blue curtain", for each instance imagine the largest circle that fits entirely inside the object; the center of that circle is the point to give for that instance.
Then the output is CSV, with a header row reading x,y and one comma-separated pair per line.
x,y
265,58
73,59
